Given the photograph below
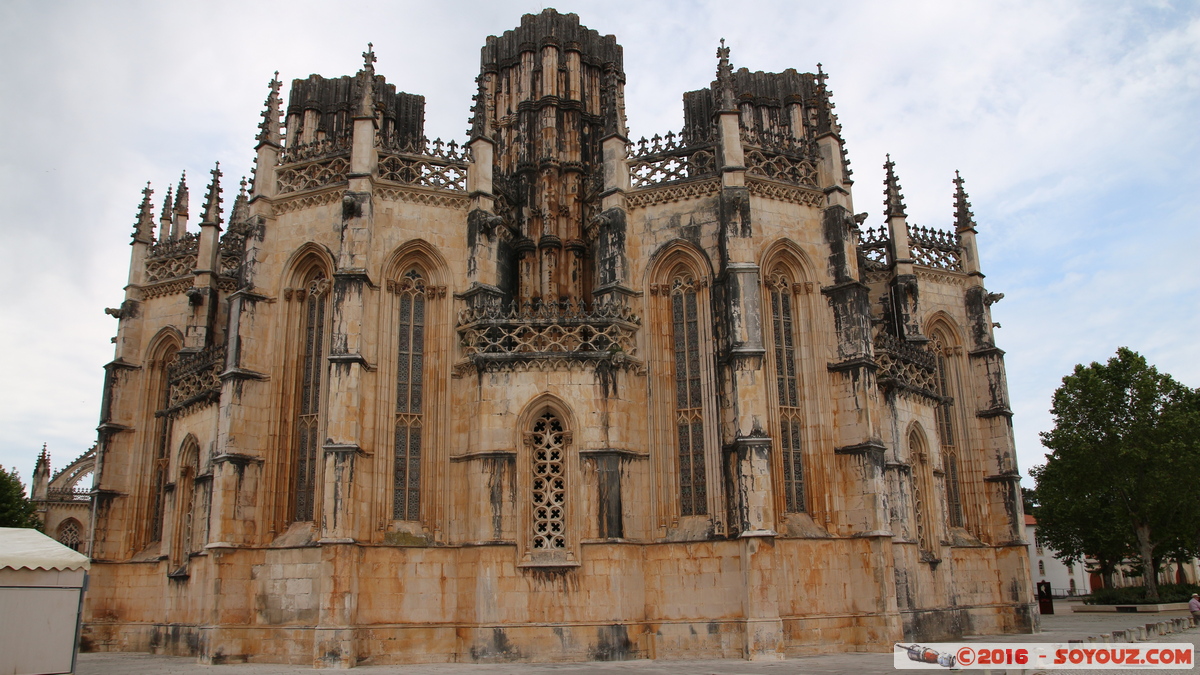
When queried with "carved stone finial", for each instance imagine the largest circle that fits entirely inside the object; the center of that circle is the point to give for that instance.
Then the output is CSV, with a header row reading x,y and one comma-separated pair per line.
x,y
270,129
212,201
366,84
369,58
143,228
964,219
725,93
181,196
893,199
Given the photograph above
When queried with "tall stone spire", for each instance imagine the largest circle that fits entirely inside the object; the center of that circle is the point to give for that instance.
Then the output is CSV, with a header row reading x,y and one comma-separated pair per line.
x,y
180,212
726,99
164,218
366,80
893,199
240,211
270,129
964,219
143,229
212,202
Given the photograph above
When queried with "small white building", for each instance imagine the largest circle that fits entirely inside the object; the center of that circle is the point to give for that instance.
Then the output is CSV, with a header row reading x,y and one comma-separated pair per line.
x,y
42,584
1064,579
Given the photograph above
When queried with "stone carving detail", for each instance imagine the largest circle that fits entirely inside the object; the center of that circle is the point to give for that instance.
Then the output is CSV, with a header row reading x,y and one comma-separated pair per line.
x,y
669,159
548,442
172,258
307,202
314,175
452,200
935,248
565,328
424,172
673,193
319,149
450,152
873,248
782,168
195,378
906,366
170,287
784,193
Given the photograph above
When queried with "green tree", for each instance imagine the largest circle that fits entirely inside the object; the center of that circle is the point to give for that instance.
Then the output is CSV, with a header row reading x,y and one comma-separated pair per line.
x,y
1125,453
15,509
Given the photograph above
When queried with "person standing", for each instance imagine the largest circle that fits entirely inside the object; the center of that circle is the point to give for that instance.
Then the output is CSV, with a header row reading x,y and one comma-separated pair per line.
x,y
1194,607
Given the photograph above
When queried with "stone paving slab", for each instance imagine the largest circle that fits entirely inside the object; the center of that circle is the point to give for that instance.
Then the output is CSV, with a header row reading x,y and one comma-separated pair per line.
x,y
1060,627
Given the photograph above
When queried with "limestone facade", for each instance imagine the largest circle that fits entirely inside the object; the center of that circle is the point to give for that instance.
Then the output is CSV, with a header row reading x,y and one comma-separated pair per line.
x,y
551,395
63,500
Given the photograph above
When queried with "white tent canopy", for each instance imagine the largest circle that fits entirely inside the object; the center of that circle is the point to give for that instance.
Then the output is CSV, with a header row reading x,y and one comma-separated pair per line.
x,y
22,547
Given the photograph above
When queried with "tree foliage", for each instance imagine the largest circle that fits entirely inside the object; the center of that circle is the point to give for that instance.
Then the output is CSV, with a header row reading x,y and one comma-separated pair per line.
x,y
15,509
1124,466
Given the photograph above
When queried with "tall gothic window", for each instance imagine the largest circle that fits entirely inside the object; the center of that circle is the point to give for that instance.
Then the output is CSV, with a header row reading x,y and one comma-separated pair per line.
x,y
406,481
921,492
945,421
548,444
787,389
161,398
185,490
689,412
312,358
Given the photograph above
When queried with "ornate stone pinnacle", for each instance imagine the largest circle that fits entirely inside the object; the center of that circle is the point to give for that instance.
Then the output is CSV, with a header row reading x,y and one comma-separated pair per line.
x,y
369,58
143,228
166,209
269,129
181,196
725,93
964,219
212,202
893,199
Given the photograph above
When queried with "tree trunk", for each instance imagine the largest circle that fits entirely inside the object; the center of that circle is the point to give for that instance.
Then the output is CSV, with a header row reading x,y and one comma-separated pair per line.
x,y
1149,568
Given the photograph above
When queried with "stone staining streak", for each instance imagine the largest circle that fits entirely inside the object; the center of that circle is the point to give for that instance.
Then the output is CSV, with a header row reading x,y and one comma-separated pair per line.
x,y
689,409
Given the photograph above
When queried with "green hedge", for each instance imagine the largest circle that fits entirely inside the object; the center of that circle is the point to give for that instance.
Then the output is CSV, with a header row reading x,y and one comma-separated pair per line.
x,y
1136,595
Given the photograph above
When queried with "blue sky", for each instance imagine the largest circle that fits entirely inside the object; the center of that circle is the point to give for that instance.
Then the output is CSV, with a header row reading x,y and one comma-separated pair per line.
x,y
1075,125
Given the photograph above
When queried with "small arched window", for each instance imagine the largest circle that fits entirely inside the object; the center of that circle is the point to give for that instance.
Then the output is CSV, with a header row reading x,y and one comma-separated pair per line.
x,y
548,442
1041,568
312,360
410,369
689,407
70,534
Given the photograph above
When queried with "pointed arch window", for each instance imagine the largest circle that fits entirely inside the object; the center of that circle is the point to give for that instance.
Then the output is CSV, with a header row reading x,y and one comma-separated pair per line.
x,y
312,359
946,430
921,492
689,408
548,442
409,425
185,489
787,391
70,534
161,398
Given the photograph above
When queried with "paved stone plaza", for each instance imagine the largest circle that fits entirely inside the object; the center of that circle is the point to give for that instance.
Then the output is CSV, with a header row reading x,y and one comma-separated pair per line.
x,y
1057,628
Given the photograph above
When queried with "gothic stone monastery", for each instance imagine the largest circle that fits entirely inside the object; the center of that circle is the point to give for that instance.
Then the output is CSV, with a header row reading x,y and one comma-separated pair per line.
x,y
552,395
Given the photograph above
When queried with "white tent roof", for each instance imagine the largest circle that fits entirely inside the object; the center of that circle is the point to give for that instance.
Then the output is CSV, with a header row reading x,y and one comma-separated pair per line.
x,y
26,547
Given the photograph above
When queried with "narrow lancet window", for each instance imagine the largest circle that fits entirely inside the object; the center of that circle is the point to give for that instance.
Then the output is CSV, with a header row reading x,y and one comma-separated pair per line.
x,y
945,421
689,411
312,360
548,444
789,395
410,368
162,439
